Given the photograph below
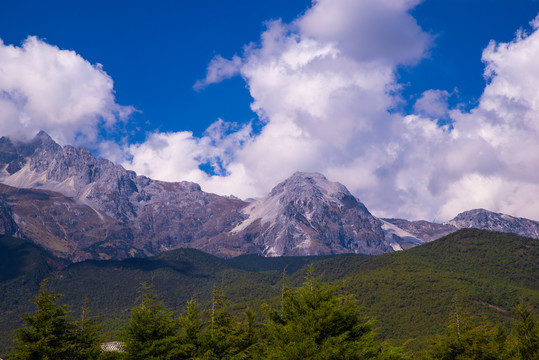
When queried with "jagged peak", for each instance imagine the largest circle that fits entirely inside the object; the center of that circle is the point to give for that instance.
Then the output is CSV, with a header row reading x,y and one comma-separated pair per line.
x,y
42,134
476,211
476,214
485,219
43,137
44,140
308,182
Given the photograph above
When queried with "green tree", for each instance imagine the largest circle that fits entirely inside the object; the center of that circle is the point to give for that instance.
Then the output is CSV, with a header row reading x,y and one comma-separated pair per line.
x,y
526,335
152,331
224,337
249,346
314,323
190,341
49,334
86,337
465,341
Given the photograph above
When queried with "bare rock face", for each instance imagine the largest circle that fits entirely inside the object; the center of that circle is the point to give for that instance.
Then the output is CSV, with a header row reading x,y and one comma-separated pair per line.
x,y
309,215
424,230
488,220
128,215
477,218
81,207
66,227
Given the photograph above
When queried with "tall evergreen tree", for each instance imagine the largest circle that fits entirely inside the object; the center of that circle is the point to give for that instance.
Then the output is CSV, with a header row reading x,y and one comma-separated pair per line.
x,y
526,334
464,340
86,337
222,335
49,334
314,323
190,338
152,331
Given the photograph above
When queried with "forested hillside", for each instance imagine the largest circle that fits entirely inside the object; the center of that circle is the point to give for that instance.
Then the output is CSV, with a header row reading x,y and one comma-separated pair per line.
x,y
410,295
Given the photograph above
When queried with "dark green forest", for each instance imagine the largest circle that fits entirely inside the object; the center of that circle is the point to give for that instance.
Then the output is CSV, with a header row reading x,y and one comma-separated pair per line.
x,y
406,303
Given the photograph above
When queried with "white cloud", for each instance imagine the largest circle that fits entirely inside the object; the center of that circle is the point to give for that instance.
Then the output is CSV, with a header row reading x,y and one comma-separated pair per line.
x,y
45,88
324,93
368,30
218,70
325,84
163,155
433,103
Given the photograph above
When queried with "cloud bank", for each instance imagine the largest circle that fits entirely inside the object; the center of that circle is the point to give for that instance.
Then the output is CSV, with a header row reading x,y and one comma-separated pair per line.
x,y
325,88
45,88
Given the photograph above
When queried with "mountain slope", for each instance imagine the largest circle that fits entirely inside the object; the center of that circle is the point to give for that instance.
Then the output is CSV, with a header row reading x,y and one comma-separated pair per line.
x,y
81,207
153,215
476,219
308,215
22,267
134,215
412,293
488,220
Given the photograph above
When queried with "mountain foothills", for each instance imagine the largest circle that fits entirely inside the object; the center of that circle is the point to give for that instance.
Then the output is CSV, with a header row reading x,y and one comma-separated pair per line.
x,y
475,276
80,207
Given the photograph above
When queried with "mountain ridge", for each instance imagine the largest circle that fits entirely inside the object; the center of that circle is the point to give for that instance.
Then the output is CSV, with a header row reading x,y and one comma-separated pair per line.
x,y
82,207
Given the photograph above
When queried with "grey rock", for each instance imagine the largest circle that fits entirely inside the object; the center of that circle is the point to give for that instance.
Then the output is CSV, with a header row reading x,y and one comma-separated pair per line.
x,y
155,215
81,207
424,230
308,215
488,220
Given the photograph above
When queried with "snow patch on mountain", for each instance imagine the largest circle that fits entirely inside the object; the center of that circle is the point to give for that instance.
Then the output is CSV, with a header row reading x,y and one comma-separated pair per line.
x,y
266,210
390,229
398,237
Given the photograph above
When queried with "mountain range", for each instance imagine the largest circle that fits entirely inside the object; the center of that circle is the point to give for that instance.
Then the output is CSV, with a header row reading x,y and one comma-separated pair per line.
x,y
80,207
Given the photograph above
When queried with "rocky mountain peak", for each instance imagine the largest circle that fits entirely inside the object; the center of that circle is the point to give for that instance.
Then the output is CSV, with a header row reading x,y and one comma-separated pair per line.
x,y
307,214
303,182
476,218
82,207
80,194
43,142
484,219
306,187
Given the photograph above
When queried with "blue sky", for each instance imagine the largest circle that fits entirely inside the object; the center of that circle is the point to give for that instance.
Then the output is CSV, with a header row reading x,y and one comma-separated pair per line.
x,y
154,51
336,87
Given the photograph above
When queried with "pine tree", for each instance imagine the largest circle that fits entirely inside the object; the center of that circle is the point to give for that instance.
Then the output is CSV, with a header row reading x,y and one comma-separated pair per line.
x,y
221,335
314,323
526,335
465,340
190,333
247,338
152,331
48,334
86,337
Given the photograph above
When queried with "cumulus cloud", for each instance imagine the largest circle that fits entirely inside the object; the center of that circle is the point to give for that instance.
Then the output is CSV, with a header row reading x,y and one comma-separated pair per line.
x,y
504,128
433,103
176,156
325,86
323,92
368,30
45,88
